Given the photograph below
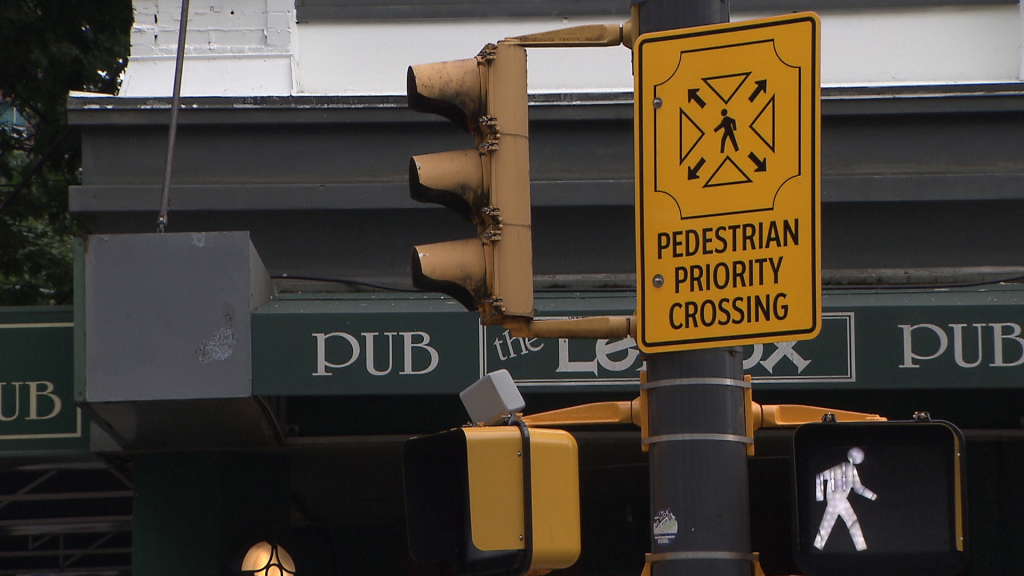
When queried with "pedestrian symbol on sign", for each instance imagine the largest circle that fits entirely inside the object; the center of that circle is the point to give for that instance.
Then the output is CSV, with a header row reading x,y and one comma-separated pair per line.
x,y
755,148
728,128
833,486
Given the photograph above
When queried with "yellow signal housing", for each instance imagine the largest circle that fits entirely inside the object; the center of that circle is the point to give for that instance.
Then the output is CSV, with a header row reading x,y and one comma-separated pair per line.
x,y
495,468
488,185
510,182
466,499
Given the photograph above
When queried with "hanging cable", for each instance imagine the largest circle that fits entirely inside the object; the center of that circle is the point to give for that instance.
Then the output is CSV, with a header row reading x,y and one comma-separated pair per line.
x,y
165,198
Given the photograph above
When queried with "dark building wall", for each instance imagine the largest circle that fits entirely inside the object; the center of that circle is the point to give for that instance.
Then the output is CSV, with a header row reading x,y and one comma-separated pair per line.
x,y
910,179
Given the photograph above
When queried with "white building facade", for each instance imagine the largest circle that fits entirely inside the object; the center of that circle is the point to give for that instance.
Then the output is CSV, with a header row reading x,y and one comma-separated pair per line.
x,y
273,48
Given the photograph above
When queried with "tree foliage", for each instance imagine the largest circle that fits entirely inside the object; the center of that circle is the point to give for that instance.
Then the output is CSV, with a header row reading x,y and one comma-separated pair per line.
x,y
47,49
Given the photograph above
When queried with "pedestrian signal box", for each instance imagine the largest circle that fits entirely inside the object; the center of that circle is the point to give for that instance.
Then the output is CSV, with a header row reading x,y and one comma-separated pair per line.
x,y
493,499
879,498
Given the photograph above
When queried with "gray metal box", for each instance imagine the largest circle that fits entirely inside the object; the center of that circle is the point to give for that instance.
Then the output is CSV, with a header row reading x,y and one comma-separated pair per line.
x,y
167,316
492,398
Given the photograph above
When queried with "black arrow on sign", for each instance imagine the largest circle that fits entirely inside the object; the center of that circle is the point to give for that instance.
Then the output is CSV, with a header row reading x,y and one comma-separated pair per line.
x,y
691,96
762,86
762,165
693,173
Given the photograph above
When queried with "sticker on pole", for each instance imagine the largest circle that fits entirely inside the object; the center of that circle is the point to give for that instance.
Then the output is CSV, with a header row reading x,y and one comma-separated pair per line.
x,y
665,527
727,122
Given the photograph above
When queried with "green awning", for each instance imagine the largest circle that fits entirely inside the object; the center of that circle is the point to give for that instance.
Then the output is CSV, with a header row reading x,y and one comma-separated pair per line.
x,y
373,344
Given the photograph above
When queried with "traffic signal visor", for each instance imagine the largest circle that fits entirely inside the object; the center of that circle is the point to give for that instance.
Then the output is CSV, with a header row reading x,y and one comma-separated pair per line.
x,y
453,89
458,268
455,180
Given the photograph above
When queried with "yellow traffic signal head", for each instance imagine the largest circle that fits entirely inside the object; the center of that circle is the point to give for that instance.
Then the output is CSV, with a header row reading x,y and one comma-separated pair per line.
x,y
488,185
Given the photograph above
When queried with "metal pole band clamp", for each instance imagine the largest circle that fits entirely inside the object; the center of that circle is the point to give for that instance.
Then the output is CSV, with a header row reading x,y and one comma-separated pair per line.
x,y
700,555
686,437
695,382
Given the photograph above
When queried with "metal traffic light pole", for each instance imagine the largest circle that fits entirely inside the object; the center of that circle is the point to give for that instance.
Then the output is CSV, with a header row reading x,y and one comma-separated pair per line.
x,y
697,441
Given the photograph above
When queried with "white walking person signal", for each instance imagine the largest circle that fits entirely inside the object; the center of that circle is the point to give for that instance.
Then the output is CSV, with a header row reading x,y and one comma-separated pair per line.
x,y
833,486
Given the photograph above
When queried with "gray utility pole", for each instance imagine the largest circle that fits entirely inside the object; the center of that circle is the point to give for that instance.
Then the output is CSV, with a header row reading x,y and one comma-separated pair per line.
x,y
697,435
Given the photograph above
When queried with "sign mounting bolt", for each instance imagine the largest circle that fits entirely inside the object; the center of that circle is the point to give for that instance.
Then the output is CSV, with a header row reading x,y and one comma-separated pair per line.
x,y
658,281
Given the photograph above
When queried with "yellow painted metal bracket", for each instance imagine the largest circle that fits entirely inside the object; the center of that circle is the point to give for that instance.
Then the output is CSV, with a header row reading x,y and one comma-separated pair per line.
x,y
592,328
786,415
621,412
589,35
573,37
641,408
635,412
748,416
758,571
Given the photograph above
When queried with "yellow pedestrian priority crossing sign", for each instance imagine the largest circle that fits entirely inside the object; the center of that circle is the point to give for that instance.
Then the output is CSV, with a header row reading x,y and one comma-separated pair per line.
x,y
728,200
